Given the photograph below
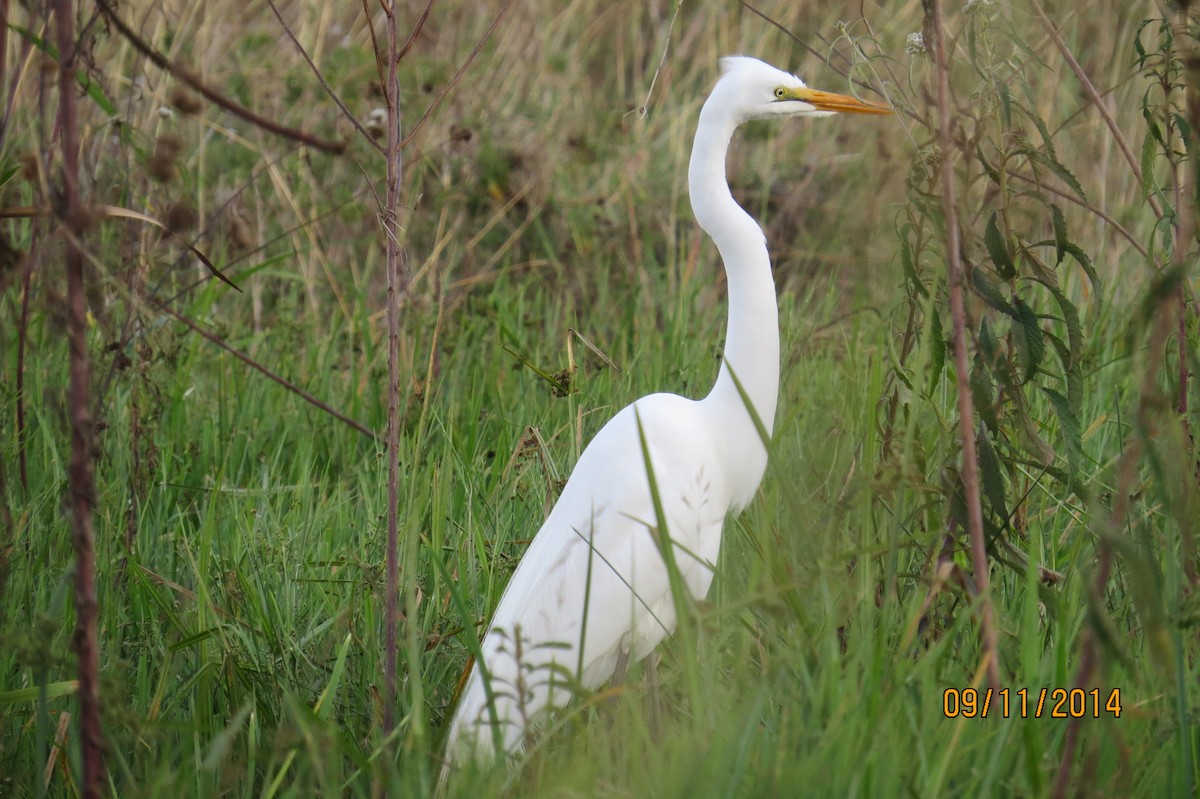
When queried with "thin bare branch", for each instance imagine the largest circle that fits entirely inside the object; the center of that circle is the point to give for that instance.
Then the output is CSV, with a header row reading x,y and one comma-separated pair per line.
x,y
1097,101
246,359
416,31
457,75
1072,198
321,78
212,95
781,27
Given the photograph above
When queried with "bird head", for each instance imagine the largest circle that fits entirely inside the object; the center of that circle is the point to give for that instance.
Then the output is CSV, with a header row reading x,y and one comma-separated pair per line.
x,y
755,90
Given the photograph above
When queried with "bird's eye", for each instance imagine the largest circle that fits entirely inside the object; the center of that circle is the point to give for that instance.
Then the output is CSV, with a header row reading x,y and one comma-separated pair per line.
x,y
779,92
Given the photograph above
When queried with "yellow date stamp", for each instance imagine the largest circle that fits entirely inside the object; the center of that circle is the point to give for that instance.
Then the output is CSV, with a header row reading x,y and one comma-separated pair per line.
x,y
1025,703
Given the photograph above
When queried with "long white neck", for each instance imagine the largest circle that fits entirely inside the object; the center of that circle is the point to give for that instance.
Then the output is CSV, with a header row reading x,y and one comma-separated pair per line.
x,y
752,337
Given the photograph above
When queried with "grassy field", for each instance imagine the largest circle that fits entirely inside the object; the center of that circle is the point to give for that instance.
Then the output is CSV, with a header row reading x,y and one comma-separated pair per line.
x,y
557,275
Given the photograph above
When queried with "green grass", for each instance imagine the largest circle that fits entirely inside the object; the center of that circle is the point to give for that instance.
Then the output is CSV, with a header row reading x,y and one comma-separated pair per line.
x,y
242,636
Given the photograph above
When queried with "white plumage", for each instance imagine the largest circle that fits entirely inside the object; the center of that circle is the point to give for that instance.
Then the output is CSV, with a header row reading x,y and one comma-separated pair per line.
x,y
597,549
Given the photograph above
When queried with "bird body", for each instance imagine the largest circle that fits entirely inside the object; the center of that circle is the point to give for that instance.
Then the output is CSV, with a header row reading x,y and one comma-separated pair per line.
x,y
593,590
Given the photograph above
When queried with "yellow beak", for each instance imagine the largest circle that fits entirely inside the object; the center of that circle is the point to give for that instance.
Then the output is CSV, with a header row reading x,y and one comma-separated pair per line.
x,y
841,103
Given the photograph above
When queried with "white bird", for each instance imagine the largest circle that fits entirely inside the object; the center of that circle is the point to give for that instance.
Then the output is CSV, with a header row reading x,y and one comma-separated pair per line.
x,y
593,592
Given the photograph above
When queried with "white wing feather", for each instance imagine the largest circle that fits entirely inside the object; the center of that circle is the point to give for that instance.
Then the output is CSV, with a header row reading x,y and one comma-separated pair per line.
x,y
533,644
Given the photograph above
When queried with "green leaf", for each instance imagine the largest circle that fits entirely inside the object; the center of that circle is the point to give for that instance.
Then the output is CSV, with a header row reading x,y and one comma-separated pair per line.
x,y
1060,233
1185,127
937,348
8,174
33,693
997,248
1149,151
1064,174
1137,43
1068,423
1005,104
991,474
1027,334
983,395
992,172
990,292
1047,140
989,345
1084,261
908,264
1072,368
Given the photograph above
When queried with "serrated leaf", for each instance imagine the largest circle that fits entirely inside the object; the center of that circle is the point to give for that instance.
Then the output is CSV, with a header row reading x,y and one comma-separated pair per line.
x,y
1137,43
1047,140
1037,267
1064,174
1165,226
1031,440
1068,423
989,345
997,248
1185,127
1027,334
1084,261
1072,368
991,474
1060,233
983,394
1149,150
1031,58
990,292
937,349
908,265
991,171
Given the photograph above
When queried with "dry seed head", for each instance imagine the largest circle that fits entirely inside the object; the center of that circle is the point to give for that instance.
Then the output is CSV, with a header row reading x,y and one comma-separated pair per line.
x,y
180,217
161,165
30,166
185,102
239,231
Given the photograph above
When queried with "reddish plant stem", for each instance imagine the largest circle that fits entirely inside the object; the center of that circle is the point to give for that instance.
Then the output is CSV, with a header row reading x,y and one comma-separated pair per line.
x,y
391,233
80,474
966,414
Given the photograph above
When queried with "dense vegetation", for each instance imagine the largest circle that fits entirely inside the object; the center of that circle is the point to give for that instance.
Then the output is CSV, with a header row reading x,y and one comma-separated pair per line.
x,y
555,274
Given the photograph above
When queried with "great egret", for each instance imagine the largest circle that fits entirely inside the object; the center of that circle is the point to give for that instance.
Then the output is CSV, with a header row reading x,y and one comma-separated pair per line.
x,y
593,592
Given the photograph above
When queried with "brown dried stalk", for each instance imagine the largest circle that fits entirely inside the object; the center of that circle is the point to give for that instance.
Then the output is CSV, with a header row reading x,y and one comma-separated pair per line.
x,y
393,263
80,474
966,414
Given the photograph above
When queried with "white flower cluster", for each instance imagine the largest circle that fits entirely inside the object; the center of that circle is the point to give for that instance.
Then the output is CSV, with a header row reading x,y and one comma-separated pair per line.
x,y
915,44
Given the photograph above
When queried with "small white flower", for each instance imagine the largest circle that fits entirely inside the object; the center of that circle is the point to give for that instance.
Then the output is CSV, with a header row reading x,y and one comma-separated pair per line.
x,y
165,112
975,5
915,44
